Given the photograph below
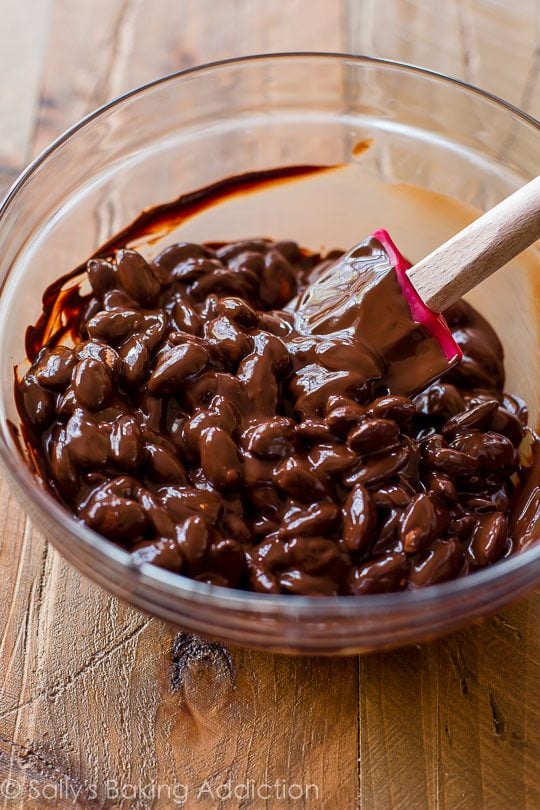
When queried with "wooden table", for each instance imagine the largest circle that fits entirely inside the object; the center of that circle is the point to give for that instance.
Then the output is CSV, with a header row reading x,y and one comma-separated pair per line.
x,y
95,696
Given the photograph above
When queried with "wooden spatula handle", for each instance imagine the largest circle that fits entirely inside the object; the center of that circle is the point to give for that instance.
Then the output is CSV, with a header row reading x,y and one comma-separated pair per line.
x,y
480,249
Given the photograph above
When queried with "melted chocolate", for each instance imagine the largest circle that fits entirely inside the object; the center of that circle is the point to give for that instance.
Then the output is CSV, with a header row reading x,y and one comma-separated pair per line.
x,y
218,418
62,303
361,296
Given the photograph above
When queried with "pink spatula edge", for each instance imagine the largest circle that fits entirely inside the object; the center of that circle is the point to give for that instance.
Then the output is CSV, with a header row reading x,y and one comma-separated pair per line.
x,y
399,324
466,259
432,322
476,252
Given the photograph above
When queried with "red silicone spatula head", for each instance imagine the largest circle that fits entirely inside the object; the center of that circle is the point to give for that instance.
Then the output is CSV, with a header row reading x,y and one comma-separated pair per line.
x,y
366,294
432,322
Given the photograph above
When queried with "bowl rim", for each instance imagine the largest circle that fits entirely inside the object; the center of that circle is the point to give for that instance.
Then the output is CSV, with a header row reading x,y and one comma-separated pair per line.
x,y
229,598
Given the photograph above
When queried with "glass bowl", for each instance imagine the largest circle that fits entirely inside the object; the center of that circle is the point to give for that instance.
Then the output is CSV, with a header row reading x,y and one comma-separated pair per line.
x,y
417,153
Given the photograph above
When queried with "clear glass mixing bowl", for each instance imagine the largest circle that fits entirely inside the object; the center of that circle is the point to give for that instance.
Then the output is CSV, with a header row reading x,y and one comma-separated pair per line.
x,y
419,154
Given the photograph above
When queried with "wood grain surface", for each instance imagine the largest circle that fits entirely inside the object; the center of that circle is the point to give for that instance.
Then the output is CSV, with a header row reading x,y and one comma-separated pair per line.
x,y
102,706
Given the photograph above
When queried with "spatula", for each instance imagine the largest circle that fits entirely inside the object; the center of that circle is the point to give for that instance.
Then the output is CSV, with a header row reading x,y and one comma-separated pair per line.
x,y
393,309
